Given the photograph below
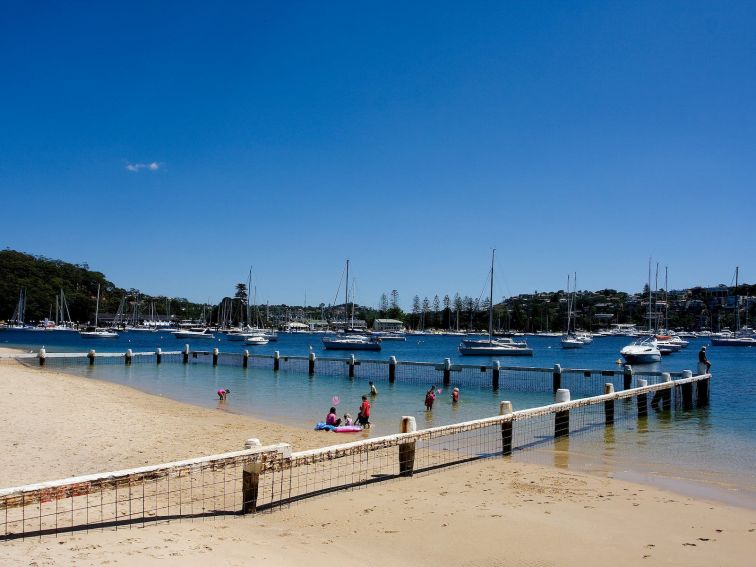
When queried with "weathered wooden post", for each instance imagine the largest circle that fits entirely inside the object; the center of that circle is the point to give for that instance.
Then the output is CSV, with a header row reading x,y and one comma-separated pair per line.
x,y
251,479
350,362
91,356
562,418
407,450
557,378
245,358
627,375
158,355
127,358
447,371
42,355
495,372
642,399
666,398
609,405
505,408
702,389
216,352
392,369
276,361
311,365
186,354
687,390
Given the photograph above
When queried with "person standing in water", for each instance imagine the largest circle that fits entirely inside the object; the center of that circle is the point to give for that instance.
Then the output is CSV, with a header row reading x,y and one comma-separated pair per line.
x,y
455,395
430,397
373,389
223,394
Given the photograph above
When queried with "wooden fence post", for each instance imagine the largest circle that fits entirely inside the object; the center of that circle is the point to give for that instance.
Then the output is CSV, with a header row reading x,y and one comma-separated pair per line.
x,y
42,355
557,378
407,450
128,356
158,355
392,369
245,358
185,356
495,373
642,399
311,365
276,361
609,405
91,356
447,371
627,375
350,362
505,408
562,418
216,352
251,480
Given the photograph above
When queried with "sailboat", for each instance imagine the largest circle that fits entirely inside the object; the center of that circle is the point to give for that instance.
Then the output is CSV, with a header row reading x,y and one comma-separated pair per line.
x,y
94,332
350,341
491,346
645,349
570,339
742,336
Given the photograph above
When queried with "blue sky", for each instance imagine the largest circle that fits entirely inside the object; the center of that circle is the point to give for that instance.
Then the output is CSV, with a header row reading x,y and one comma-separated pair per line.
x,y
171,145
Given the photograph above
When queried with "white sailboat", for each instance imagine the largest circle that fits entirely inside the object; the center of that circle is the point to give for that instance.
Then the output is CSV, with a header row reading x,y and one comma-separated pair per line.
x,y
742,336
570,340
491,346
95,332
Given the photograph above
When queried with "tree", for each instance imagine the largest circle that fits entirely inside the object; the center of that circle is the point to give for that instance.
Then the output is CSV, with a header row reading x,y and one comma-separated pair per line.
x,y
394,299
416,308
436,309
383,304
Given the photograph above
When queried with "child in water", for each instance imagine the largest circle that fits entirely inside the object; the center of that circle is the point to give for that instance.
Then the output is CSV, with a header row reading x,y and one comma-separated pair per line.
x,y
455,395
430,397
222,394
373,389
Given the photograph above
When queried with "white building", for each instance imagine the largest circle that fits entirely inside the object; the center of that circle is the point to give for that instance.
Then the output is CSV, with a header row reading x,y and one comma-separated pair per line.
x,y
388,325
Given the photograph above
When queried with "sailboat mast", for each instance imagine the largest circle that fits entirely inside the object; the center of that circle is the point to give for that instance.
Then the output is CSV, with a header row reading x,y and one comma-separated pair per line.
x,y
97,308
346,296
737,300
490,299
649,297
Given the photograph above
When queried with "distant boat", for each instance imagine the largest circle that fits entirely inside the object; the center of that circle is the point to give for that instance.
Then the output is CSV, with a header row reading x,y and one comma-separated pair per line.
x,y
256,340
570,339
194,333
351,342
94,332
744,336
491,346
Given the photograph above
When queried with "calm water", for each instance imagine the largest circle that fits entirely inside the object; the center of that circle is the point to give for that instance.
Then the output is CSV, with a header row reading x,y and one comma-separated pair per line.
x,y
710,451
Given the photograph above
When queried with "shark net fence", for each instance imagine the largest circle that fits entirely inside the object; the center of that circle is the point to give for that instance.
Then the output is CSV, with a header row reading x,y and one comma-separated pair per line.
x,y
267,478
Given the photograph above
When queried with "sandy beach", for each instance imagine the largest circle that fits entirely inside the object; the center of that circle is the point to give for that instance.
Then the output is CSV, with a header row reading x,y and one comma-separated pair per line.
x,y
494,512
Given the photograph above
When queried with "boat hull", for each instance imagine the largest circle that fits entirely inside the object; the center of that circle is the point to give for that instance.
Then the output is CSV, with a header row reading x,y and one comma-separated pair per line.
x,y
494,351
740,342
336,345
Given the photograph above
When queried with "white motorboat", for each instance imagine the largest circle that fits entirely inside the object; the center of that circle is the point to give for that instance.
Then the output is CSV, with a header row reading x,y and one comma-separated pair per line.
x,y
194,333
491,346
571,341
389,336
256,340
351,342
642,351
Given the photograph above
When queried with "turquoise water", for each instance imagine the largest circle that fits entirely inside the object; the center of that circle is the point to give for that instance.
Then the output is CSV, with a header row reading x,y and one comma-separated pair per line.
x,y
713,447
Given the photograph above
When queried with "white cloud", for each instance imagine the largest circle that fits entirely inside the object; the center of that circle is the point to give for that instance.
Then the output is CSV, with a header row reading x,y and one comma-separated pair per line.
x,y
137,167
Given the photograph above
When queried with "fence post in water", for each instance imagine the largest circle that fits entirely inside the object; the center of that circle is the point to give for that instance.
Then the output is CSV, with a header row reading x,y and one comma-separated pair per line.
x,y
609,405
311,365
627,375
642,399
447,371
392,369
215,356
158,355
91,356
186,354
128,357
505,408
496,371
42,355
557,381
664,396
251,479
245,359
562,418
687,390
407,450
350,362
276,360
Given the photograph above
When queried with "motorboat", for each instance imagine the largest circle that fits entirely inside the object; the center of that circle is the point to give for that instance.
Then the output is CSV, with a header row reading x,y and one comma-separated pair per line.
x,y
389,336
642,351
507,341
352,342
194,333
256,340
571,341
